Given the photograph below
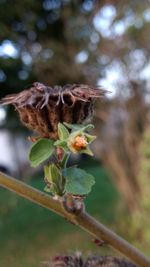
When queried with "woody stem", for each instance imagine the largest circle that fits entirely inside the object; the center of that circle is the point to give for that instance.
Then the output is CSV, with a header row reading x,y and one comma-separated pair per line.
x,y
83,219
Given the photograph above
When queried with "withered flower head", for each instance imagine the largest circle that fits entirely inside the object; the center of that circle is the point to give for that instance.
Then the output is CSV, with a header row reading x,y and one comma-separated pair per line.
x,y
41,107
77,260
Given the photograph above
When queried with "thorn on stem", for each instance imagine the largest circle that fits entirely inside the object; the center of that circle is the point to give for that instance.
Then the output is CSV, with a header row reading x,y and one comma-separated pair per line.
x,y
99,242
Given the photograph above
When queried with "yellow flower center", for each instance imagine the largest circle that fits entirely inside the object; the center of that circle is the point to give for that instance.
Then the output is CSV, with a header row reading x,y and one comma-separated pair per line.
x,y
80,142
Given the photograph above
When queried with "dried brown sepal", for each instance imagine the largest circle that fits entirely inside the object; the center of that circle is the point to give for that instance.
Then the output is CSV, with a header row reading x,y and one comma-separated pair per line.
x,y
41,107
77,260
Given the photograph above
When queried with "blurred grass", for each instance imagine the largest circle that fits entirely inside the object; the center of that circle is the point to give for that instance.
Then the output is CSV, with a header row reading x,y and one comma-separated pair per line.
x,y
30,234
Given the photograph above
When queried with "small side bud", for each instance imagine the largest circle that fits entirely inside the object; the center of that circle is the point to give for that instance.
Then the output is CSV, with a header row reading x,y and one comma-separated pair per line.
x,y
53,178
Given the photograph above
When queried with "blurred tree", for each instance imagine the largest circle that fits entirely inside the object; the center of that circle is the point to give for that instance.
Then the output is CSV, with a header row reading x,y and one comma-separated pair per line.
x,y
85,41
136,226
66,41
120,126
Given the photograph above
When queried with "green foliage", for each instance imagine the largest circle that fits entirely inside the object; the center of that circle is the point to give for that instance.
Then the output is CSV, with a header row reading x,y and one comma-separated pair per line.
x,y
76,127
138,222
78,181
68,141
60,179
53,179
22,221
63,133
51,173
41,151
62,144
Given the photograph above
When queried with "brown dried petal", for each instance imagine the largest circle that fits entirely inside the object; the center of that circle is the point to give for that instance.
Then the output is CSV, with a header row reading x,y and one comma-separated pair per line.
x,y
41,108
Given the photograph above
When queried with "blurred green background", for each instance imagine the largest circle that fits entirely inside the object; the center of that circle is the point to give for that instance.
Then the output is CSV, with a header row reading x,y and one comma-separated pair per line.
x,y
30,234
103,43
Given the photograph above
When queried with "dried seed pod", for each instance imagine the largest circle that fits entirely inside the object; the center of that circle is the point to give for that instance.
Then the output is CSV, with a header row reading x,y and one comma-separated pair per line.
x,y
76,260
41,107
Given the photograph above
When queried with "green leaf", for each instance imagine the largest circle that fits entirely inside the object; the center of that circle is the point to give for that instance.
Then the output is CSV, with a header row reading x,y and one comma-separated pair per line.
x,y
88,127
41,151
78,182
90,138
63,132
76,127
73,126
62,144
86,151
51,189
47,189
52,173
65,160
54,179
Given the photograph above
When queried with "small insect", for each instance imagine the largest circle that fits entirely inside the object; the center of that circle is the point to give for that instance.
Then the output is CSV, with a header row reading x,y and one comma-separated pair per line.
x,y
42,107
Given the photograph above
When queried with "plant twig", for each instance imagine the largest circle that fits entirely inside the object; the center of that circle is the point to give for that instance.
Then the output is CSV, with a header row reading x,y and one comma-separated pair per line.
x,y
83,219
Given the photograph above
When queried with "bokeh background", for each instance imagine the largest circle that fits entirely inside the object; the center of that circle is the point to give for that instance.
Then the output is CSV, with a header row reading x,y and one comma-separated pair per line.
x,y
103,43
